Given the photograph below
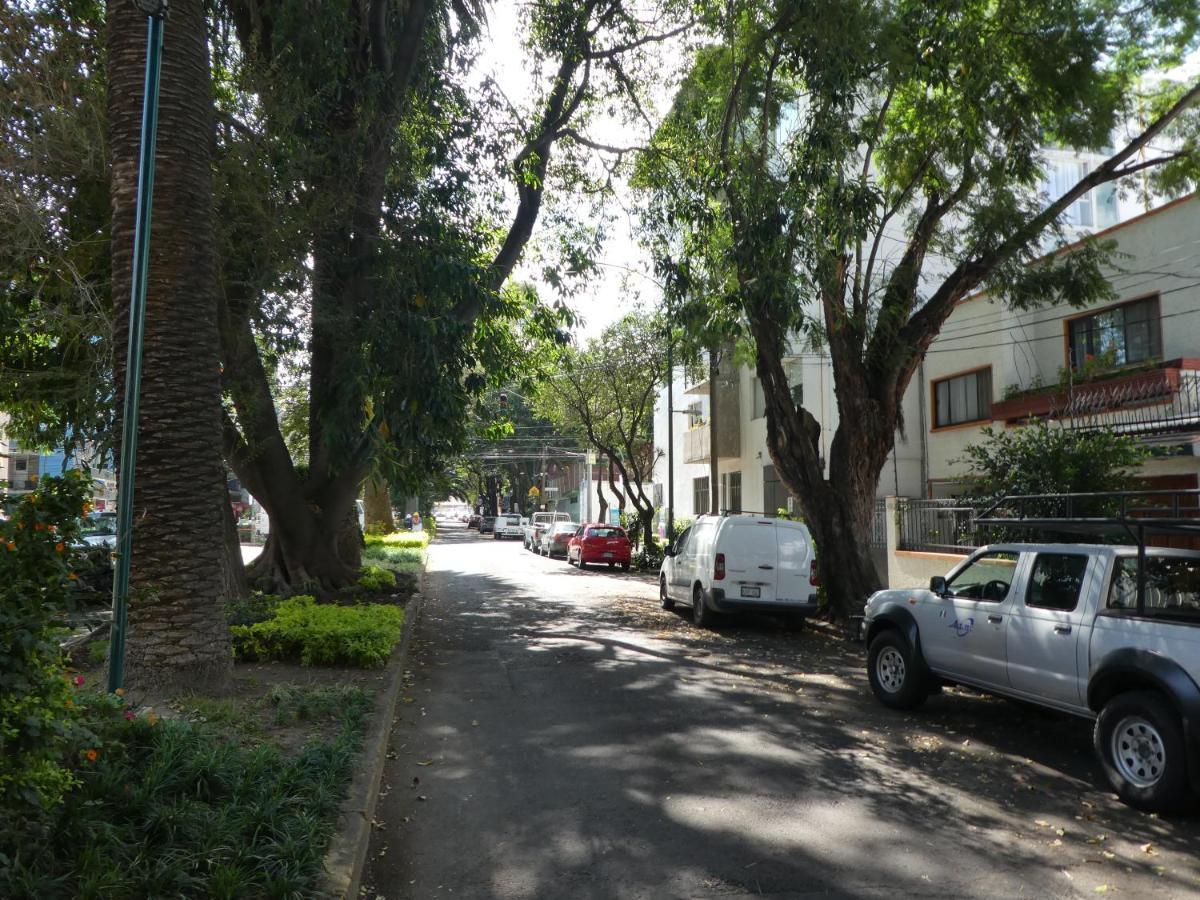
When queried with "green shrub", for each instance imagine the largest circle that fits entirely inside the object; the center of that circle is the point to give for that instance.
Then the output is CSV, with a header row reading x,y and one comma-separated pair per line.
x,y
375,578
179,809
257,607
316,634
397,539
398,559
301,703
39,727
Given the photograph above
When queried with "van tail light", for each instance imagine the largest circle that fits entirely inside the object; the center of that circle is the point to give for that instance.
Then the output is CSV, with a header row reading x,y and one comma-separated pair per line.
x,y
719,568
813,577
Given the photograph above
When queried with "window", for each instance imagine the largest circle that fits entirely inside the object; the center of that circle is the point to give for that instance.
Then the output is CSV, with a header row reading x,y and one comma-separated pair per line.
x,y
20,464
963,398
700,495
606,532
682,540
1172,586
733,495
695,415
986,577
1056,581
758,401
1129,333
1061,176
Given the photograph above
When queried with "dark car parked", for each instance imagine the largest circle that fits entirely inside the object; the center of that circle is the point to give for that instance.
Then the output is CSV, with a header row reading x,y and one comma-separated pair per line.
x,y
487,525
474,520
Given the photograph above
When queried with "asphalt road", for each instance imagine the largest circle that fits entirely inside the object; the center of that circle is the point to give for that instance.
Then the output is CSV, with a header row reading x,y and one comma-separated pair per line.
x,y
562,736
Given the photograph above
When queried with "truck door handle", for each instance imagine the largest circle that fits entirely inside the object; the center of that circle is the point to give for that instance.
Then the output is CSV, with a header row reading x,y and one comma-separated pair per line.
x,y
1062,629
995,620
766,567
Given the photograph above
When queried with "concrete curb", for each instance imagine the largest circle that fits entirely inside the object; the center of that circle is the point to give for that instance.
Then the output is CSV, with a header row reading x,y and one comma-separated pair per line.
x,y
346,857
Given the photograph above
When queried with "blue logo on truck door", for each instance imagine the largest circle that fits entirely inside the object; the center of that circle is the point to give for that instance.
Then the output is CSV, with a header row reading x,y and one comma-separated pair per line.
x,y
963,628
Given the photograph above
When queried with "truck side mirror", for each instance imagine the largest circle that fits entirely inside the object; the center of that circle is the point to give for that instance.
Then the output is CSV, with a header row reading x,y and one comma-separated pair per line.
x,y
669,550
937,584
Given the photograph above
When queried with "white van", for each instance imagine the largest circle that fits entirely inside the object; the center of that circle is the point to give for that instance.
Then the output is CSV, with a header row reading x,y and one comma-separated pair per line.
x,y
739,563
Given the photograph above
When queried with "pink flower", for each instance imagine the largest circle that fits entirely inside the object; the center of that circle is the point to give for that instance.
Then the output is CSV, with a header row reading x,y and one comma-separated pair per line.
x,y
79,681
130,715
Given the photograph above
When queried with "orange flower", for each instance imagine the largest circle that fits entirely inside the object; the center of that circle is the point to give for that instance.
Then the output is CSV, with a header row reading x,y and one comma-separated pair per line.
x,y
120,692
71,576
70,703
151,718
91,755
38,526
60,547
12,545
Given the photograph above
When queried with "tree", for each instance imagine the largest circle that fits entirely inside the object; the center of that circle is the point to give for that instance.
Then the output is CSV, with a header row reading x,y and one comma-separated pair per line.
x,y
1048,459
840,177
178,637
605,395
55,298
353,120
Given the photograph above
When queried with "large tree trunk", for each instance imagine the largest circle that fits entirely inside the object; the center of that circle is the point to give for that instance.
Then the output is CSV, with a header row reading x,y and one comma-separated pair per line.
x,y
377,506
178,637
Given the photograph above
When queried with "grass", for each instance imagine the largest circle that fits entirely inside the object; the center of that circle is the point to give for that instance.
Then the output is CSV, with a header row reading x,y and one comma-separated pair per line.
x,y
180,809
293,703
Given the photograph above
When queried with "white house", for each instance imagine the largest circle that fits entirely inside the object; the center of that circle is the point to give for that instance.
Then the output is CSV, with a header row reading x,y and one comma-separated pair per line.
x,y
1132,364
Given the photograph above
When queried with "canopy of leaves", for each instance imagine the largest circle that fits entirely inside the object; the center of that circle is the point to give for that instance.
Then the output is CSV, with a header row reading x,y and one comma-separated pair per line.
x,y
55,303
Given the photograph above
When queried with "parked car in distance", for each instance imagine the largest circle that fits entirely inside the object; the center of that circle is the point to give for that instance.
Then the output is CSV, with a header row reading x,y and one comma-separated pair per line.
x,y
538,523
596,542
487,525
99,529
556,537
508,526
1061,626
474,520
739,563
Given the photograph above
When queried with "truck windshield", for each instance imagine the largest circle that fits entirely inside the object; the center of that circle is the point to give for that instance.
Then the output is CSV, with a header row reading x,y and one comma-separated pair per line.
x,y
1172,586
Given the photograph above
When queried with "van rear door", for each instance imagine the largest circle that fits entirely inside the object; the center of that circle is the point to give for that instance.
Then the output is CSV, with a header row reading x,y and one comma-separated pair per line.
x,y
751,559
795,564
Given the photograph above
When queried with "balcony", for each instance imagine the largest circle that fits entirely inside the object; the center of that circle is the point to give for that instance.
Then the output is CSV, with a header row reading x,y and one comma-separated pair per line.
x,y
1160,402
697,443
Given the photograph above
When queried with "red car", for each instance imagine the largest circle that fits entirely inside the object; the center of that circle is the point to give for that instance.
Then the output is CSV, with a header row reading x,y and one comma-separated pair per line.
x,y
595,542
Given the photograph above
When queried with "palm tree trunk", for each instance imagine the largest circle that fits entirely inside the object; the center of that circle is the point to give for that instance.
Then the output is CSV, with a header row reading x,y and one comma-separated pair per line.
x,y
181,571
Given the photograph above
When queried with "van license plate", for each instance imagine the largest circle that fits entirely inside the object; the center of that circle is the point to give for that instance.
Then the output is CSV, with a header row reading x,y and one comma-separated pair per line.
x,y
608,555
748,591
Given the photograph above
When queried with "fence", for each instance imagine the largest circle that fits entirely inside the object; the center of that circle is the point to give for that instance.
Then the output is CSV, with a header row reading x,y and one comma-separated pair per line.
x,y
879,525
937,526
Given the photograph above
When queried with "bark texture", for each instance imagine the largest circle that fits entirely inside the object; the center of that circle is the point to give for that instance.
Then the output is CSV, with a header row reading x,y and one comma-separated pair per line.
x,y
181,570
377,506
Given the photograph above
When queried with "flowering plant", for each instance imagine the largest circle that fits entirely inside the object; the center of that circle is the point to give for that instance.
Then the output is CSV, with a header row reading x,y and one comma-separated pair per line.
x,y
38,715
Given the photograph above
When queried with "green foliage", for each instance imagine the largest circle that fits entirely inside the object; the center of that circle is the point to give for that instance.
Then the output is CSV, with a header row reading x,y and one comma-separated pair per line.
x,y
254,607
37,726
398,539
178,809
1047,459
303,703
398,559
97,652
55,260
376,579
318,634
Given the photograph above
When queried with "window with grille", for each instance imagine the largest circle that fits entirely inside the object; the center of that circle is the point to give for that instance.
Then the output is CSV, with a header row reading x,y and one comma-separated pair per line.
x,y
700,497
1130,333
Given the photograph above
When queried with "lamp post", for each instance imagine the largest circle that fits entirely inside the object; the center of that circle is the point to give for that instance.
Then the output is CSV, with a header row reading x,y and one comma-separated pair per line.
x,y
156,13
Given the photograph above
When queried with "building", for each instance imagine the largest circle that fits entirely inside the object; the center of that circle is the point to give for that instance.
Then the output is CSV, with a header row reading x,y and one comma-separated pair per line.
x,y
1130,364
21,467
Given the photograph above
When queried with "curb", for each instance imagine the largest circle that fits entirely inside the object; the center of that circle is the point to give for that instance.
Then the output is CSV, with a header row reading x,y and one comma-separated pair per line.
x,y
346,857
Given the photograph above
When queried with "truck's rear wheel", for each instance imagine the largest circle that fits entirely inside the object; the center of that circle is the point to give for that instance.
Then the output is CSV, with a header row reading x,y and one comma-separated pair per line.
x,y
897,678
1139,741
702,616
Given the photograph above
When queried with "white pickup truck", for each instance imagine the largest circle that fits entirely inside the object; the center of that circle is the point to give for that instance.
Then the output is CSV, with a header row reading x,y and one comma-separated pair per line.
x,y
1063,626
537,525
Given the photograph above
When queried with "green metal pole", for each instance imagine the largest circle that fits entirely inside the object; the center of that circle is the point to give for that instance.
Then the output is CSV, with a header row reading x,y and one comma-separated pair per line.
x,y
133,358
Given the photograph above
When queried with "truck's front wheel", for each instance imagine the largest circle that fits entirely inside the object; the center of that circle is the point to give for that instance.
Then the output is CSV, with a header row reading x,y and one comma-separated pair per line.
x,y
1140,744
895,672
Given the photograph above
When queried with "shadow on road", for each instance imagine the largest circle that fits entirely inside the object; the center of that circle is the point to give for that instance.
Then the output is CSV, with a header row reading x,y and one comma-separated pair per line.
x,y
599,749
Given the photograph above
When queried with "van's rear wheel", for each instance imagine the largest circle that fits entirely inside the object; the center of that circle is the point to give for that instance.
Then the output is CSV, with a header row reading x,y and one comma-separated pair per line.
x,y
894,672
667,602
702,616
1139,741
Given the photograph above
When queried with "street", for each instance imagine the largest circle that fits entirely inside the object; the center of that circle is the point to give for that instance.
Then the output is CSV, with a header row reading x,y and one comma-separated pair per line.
x,y
562,736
